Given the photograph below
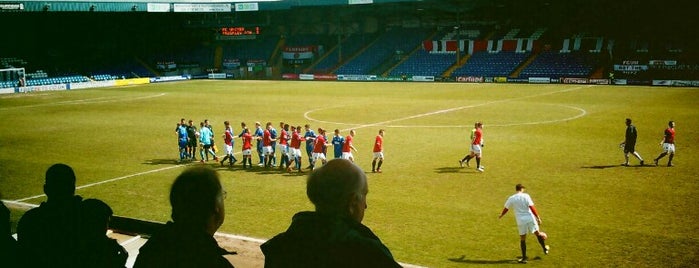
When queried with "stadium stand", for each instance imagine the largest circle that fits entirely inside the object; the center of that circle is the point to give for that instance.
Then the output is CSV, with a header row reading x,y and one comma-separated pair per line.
x,y
425,63
561,64
360,39
491,63
394,41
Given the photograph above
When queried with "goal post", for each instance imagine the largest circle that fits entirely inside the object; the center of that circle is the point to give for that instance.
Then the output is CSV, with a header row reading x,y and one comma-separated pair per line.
x,y
13,75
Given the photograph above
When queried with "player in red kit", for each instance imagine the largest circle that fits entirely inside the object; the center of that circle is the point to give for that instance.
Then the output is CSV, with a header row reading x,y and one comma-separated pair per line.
x,y
668,144
319,149
476,144
267,148
228,139
378,152
295,150
347,147
247,147
284,145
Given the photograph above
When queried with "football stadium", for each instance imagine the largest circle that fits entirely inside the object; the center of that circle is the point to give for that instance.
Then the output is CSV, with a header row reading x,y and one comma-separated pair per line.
x,y
102,87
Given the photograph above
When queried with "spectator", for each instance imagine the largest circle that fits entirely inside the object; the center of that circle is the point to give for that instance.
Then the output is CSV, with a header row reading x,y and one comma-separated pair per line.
x,y
96,249
333,235
196,198
8,245
47,235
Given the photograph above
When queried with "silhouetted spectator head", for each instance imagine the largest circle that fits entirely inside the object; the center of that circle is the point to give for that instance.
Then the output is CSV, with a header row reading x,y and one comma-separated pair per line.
x,y
338,187
96,215
60,182
5,229
197,197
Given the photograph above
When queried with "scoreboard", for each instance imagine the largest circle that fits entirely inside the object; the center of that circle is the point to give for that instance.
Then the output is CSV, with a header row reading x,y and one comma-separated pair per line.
x,y
240,32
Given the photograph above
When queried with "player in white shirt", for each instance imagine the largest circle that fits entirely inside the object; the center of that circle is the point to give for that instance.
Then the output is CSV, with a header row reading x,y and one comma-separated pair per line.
x,y
528,219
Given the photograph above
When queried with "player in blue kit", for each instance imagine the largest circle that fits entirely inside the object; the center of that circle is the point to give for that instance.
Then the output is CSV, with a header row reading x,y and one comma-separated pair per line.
x,y
310,138
182,140
258,135
338,141
205,137
273,133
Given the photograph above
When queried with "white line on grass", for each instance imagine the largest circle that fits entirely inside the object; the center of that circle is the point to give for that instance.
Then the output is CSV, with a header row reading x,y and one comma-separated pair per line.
x,y
109,180
85,101
443,111
582,112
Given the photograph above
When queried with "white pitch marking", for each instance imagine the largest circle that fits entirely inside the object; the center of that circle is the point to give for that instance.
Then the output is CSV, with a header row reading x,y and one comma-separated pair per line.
x,y
109,180
383,123
582,113
86,101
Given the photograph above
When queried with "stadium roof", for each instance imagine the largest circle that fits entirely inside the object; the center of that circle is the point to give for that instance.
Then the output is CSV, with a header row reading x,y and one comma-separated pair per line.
x,y
215,5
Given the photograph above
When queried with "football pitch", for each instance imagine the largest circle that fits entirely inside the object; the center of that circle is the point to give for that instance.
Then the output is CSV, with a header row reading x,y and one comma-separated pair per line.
x,y
561,141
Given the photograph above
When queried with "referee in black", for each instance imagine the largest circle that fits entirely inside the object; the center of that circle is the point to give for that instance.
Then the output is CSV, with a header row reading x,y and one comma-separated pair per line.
x,y
629,143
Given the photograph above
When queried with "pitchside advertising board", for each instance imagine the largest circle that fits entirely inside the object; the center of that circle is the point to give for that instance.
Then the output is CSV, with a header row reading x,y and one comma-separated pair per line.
x,y
11,6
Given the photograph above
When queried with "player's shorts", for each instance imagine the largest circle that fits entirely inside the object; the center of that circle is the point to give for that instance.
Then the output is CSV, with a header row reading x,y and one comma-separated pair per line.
x,y
295,152
267,150
669,148
284,148
347,155
229,149
247,152
630,147
317,156
182,143
192,143
476,149
378,155
527,227
206,146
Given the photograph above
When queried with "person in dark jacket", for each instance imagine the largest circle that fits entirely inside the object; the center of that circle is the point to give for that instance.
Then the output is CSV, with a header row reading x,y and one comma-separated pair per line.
x,y
48,236
333,235
197,198
96,248
8,244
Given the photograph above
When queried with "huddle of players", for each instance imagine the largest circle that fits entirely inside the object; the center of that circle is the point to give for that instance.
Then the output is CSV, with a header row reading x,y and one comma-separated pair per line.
x,y
187,136
289,139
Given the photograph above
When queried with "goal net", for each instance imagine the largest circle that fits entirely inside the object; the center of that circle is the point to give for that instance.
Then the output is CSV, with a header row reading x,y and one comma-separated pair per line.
x,y
15,76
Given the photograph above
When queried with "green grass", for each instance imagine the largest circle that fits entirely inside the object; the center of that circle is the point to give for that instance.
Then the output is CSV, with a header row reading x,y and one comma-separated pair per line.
x,y
559,140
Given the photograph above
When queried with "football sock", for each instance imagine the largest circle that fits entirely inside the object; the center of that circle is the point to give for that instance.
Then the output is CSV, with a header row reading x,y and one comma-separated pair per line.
x,y
478,162
373,165
379,166
466,159
661,156
284,161
541,241
669,160
523,246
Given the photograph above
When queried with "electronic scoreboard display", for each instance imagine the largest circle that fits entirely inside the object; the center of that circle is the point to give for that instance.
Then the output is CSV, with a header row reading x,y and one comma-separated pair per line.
x,y
240,31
